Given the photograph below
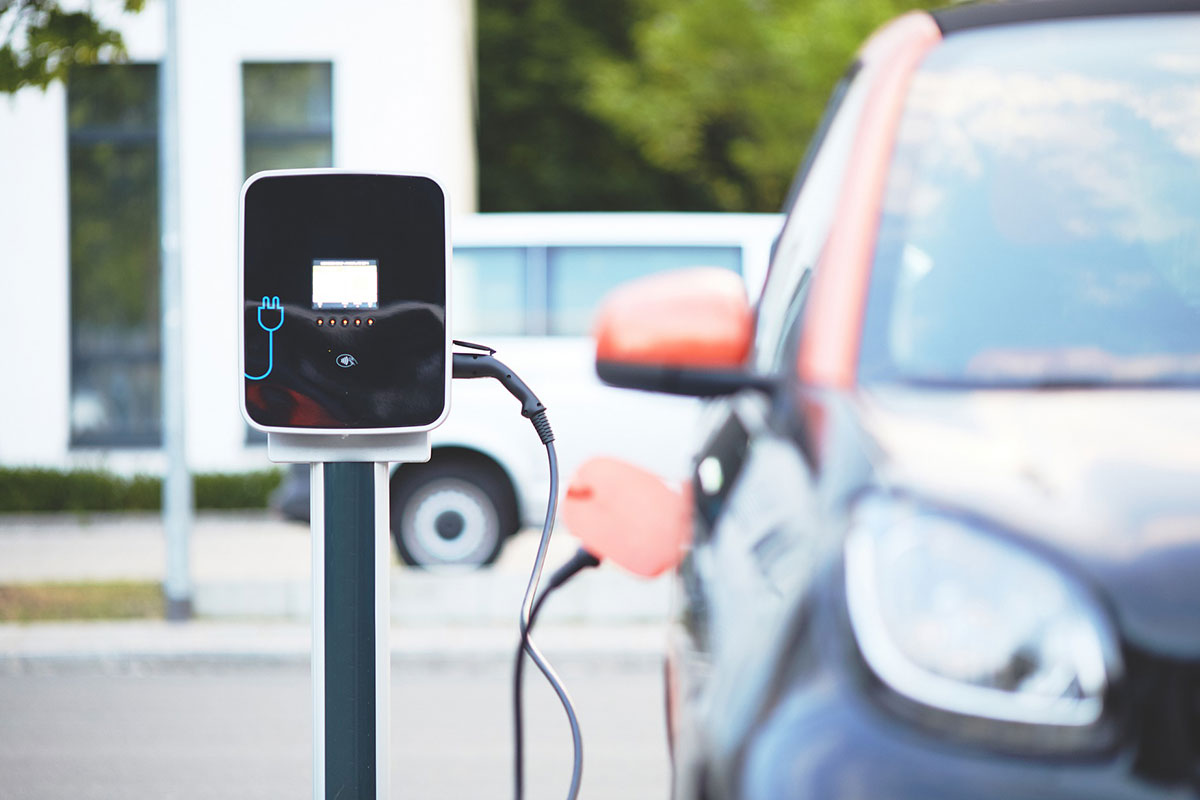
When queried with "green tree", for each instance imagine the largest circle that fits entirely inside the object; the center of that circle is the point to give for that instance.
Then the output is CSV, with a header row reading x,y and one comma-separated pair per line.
x,y
42,41
540,147
730,91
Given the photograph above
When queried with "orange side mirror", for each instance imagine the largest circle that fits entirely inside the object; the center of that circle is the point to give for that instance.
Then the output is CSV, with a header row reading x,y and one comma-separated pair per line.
x,y
683,332
696,317
627,515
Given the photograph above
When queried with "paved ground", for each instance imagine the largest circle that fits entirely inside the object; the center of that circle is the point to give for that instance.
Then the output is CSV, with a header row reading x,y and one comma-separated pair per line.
x,y
23,647
225,545
36,547
254,565
219,707
181,730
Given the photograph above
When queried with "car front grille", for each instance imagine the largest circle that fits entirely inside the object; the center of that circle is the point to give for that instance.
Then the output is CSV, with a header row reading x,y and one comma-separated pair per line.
x,y
1164,714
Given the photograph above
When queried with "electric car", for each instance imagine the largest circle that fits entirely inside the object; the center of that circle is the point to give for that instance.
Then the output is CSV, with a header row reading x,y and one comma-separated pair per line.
x,y
527,285
945,515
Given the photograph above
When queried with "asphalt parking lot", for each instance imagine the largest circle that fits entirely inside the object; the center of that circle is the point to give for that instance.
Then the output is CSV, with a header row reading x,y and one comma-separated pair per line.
x,y
195,730
220,707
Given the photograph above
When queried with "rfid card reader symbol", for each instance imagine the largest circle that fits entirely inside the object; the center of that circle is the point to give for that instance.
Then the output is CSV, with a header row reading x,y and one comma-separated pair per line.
x,y
346,360
270,323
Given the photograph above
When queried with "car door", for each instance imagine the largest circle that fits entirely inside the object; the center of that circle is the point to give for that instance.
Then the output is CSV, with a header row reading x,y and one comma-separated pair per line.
x,y
752,488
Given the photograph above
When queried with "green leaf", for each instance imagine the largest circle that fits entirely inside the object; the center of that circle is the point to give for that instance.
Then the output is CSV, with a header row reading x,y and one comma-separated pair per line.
x,y
43,41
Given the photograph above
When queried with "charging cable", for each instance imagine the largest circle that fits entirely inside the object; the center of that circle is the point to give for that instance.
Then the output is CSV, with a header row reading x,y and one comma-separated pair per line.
x,y
483,365
580,561
268,304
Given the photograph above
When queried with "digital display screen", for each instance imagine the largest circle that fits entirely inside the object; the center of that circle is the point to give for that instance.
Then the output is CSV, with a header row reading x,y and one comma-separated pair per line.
x,y
344,284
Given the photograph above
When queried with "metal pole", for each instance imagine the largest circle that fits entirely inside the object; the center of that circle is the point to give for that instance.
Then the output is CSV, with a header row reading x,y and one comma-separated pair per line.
x,y
177,483
351,655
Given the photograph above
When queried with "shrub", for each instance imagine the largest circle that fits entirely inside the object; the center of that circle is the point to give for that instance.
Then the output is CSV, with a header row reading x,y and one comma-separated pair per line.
x,y
27,489
236,490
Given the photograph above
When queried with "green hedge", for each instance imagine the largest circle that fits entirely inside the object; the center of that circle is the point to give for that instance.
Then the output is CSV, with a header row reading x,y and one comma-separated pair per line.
x,y
25,489
236,489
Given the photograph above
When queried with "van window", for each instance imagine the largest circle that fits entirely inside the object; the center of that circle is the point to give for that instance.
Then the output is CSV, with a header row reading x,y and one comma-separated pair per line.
x,y
488,291
579,277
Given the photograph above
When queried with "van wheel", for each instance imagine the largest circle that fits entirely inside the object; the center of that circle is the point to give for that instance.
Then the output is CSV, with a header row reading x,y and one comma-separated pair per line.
x,y
451,513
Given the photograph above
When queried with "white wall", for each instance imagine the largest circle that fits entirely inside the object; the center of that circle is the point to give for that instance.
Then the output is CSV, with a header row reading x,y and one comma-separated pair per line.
x,y
402,100
35,357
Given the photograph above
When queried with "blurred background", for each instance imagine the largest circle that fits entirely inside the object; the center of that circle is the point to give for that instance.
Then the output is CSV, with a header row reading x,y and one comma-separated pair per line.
x,y
532,106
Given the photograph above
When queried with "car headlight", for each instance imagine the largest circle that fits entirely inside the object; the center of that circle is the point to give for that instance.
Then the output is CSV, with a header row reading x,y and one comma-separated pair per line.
x,y
961,621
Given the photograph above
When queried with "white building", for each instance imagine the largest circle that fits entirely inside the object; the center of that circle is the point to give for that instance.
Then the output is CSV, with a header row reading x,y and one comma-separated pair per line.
x,y
263,84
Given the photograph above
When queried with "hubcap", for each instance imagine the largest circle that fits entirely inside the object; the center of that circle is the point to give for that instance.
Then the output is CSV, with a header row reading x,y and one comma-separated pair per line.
x,y
449,522
449,525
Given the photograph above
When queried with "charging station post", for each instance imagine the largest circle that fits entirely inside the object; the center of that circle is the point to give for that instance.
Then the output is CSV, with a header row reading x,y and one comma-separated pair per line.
x,y
350,644
346,365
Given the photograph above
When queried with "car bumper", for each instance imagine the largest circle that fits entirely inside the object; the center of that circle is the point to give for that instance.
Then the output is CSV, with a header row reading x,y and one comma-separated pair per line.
x,y
828,741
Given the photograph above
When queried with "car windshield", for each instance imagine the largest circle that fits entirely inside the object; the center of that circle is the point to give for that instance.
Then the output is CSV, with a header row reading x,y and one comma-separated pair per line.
x,y
1041,222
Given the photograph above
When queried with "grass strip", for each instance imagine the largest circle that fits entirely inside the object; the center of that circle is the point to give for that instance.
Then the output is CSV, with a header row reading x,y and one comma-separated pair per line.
x,y
43,602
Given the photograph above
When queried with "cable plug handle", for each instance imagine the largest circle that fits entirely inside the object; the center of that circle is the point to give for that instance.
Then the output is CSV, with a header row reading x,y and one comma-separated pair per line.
x,y
484,365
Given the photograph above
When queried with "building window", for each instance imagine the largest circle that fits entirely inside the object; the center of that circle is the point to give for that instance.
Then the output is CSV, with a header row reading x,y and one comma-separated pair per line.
x,y
287,123
288,115
112,120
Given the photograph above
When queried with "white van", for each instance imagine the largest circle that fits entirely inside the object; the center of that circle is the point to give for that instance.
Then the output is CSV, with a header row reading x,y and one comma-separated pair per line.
x,y
527,286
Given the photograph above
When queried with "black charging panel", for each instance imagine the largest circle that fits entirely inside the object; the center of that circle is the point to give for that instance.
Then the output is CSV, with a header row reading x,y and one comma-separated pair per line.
x,y
384,368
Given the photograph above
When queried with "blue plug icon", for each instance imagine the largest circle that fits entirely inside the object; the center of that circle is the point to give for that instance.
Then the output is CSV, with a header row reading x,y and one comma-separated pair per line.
x,y
271,306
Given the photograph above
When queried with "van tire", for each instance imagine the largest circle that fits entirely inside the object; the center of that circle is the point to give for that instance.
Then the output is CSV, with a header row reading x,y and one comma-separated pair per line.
x,y
451,512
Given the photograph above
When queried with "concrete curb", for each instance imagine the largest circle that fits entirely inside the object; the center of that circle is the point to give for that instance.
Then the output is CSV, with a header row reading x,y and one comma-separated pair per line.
x,y
606,596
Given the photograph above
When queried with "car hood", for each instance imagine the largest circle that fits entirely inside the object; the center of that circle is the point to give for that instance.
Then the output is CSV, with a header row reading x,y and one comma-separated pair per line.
x,y
1108,479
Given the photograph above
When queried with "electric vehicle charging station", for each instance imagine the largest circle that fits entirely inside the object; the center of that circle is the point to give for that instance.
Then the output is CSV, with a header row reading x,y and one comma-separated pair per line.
x,y
346,363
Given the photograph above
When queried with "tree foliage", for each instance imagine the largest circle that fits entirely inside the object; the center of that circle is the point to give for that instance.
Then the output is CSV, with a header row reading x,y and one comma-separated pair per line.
x,y
657,103
540,147
730,91
42,41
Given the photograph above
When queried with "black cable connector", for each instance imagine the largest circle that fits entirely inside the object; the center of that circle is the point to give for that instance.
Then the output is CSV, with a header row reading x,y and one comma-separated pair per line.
x,y
484,365
542,426
574,565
